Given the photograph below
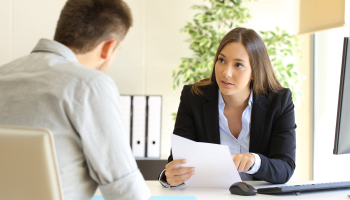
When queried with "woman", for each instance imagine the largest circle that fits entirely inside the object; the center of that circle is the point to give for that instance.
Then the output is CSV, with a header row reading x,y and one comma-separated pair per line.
x,y
242,105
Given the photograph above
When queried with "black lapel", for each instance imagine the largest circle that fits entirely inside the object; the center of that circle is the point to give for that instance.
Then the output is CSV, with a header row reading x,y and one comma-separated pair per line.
x,y
257,122
211,115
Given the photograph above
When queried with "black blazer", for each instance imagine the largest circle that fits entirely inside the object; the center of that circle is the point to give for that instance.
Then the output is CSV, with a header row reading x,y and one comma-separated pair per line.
x,y
272,132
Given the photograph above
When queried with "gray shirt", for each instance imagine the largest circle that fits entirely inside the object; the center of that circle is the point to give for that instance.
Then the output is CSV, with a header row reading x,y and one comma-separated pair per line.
x,y
50,89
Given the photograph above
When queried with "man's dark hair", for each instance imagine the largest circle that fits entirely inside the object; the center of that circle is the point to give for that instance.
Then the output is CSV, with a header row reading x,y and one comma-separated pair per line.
x,y
83,24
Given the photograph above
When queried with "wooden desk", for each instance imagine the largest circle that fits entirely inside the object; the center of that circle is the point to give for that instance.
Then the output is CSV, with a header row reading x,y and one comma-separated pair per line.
x,y
224,194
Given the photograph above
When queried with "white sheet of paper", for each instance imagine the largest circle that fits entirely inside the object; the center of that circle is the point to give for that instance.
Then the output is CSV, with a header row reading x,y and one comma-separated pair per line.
x,y
213,162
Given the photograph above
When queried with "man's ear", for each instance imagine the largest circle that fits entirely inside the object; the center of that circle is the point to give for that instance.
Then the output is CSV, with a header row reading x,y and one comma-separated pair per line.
x,y
108,48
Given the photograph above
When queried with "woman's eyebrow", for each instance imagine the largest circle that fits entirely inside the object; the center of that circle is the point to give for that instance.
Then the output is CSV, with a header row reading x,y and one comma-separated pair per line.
x,y
223,55
238,59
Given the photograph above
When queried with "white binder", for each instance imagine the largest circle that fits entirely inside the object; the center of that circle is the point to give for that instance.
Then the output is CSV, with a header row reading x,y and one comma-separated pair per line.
x,y
154,126
125,102
139,126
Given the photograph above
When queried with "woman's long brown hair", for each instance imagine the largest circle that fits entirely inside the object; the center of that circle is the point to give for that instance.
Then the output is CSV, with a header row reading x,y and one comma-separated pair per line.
x,y
265,80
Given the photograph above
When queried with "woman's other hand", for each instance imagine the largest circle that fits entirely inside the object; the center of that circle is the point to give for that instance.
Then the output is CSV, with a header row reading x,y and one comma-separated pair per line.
x,y
243,161
176,176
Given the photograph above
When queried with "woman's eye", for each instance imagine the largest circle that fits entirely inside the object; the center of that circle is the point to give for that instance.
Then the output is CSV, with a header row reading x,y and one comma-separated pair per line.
x,y
239,65
221,60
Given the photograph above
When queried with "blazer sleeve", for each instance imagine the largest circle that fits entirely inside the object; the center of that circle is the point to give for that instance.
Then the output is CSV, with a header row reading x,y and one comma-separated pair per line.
x,y
279,163
184,124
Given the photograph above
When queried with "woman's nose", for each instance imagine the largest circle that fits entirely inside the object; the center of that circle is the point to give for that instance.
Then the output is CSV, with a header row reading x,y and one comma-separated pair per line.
x,y
227,73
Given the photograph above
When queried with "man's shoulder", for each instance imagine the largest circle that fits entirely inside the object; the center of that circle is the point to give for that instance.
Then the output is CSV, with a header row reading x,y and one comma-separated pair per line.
x,y
77,71
55,70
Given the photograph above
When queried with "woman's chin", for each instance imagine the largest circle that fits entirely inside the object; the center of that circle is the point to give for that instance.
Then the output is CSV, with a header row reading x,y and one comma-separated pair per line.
x,y
226,91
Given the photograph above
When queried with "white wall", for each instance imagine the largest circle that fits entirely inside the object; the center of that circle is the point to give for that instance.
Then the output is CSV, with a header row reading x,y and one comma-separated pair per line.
x,y
5,31
153,48
329,47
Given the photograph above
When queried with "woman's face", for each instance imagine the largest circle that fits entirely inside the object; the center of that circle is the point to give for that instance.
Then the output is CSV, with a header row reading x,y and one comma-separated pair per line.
x,y
232,69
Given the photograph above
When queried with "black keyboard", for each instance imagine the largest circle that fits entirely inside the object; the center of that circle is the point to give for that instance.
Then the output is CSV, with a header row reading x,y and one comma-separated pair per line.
x,y
305,187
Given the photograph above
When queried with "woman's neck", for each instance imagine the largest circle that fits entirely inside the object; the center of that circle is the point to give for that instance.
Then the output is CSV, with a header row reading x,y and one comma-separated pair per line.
x,y
238,100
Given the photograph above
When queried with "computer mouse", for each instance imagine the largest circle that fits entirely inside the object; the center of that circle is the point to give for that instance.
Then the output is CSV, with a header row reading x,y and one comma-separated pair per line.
x,y
242,188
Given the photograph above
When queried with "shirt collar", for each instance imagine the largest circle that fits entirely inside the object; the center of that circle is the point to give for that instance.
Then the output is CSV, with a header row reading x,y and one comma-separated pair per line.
x,y
250,102
221,100
45,45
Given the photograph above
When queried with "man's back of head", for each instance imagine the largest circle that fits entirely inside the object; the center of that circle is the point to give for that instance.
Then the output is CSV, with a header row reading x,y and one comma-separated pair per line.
x,y
94,30
60,86
83,24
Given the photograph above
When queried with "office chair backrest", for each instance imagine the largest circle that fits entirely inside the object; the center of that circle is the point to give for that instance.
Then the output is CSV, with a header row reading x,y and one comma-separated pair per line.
x,y
28,166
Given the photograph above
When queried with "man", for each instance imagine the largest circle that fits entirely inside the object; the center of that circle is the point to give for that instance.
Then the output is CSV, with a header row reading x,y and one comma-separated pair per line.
x,y
60,86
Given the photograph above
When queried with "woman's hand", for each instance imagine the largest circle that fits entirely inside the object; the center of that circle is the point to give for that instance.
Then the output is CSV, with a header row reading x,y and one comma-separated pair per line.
x,y
176,176
243,161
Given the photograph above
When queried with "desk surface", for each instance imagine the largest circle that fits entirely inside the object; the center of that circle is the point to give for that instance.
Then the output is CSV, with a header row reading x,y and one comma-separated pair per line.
x,y
224,194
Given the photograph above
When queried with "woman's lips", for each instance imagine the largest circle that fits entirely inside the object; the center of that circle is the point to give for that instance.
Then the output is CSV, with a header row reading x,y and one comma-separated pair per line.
x,y
225,83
